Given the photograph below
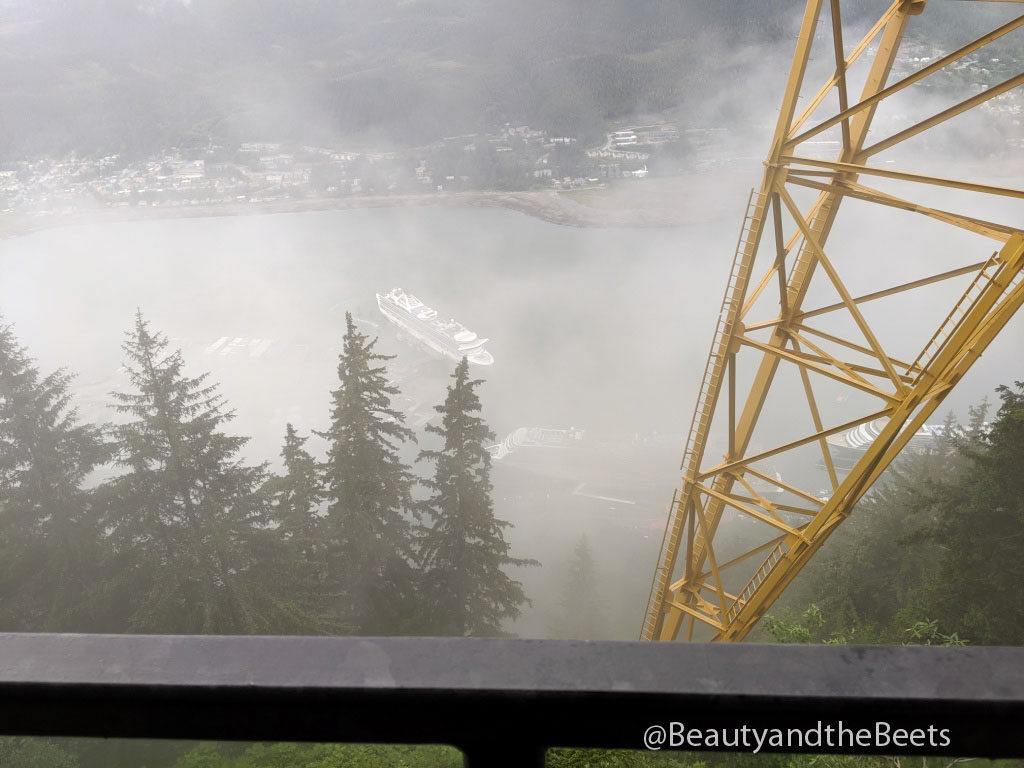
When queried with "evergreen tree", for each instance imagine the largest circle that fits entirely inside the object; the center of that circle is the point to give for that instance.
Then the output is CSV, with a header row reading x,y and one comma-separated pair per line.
x,y
48,532
369,495
935,545
295,497
580,614
979,532
189,522
870,575
464,550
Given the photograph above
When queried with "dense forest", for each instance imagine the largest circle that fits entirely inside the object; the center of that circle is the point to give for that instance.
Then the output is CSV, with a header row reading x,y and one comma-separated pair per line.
x,y
932,554
183,536
154,524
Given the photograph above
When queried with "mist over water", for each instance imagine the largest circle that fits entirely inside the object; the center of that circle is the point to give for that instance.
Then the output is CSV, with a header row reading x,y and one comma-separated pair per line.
x,y
589,328
604,330
601,330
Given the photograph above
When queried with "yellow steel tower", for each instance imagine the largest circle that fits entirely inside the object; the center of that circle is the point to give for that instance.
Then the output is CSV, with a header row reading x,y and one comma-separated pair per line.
x,y
779,330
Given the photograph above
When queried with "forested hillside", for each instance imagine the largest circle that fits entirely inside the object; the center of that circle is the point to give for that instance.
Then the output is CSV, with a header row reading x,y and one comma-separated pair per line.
x,y
133,77
932,554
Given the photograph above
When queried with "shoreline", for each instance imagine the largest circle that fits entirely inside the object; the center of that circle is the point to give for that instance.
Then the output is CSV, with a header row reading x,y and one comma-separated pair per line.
x,y
664,202
548,206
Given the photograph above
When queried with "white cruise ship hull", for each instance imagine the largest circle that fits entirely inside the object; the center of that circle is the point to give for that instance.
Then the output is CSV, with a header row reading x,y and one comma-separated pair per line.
x,y
433,338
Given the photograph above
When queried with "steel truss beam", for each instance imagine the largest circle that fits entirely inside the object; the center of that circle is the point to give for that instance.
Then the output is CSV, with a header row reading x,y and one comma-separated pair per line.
x,y
694,586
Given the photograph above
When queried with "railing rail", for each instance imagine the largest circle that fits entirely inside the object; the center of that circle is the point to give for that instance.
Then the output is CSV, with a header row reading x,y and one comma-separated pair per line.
x,y
502,701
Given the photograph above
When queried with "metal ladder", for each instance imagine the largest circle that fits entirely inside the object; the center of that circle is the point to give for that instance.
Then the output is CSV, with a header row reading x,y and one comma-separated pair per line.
x,y
755,581
708,396
956,316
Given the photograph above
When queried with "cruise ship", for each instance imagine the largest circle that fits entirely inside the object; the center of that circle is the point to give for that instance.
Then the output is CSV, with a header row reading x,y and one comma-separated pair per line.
x,y
448,337
535,437
860,438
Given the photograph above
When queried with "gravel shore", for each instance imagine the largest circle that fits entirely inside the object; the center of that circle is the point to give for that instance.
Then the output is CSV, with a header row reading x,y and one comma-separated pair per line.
x,y
549,206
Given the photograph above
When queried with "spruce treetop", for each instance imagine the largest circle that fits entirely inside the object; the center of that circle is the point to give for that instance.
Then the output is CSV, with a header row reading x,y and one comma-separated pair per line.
x,y
464,433
463,550
368,490
40,436
580,616
176,416
362,401
48,529
296,494
189,521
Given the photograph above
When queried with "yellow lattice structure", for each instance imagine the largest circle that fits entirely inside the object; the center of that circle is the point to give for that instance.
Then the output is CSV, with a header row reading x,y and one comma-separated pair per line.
x,y
697,588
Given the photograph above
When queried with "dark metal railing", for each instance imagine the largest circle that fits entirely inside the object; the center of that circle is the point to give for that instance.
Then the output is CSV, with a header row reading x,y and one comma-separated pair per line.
x,y
502,701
